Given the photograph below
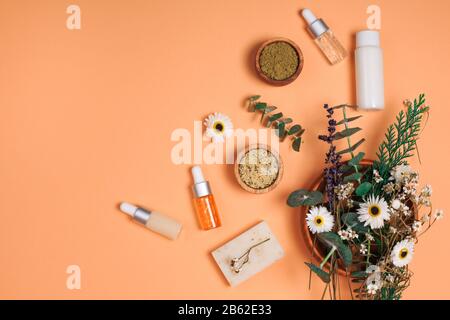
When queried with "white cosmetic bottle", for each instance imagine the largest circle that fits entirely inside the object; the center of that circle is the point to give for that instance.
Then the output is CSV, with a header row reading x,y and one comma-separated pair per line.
x,y
369,71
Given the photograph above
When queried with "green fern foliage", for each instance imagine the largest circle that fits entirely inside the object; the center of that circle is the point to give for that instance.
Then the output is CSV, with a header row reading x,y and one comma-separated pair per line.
x,y
400,140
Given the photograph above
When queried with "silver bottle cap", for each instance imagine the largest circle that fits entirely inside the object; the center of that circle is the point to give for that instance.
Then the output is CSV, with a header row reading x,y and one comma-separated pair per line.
x,y
317,28
141,215
201,189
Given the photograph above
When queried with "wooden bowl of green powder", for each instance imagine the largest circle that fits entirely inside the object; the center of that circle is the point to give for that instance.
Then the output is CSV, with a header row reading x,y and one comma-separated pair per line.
x,y
279,61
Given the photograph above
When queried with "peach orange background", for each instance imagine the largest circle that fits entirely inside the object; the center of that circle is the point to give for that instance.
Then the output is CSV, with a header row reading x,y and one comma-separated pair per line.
x,y
86,118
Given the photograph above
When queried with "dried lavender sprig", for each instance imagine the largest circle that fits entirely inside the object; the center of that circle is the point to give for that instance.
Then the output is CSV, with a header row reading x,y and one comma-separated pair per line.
x,y
332,160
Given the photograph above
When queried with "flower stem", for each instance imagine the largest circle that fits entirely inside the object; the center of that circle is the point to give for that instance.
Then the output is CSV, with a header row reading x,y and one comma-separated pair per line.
x,y
327,257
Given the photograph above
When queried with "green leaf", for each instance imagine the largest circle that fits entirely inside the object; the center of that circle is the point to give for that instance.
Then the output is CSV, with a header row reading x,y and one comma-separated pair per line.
x,y
275,117
281,131
353,177
352,148
359,274
254,98
323,275
269,109
363,189
346,133
357,159
287,120
346,169
348,120
296,144
294,129
335,241
304,197
260,106
350,219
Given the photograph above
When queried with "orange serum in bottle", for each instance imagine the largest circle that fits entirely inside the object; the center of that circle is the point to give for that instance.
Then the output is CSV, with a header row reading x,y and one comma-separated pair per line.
x,y
204,203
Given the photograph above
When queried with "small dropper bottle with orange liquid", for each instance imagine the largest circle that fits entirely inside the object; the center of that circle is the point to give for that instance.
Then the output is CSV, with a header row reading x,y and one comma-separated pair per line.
x,y
204,202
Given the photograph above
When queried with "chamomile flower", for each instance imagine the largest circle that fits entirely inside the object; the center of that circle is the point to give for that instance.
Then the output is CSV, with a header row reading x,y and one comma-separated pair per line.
x,y
374,211
402,253
218,127
319,220
416,226
439,214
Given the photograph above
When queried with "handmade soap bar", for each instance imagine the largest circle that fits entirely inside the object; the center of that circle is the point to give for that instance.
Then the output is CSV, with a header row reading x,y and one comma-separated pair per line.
x,y
258,245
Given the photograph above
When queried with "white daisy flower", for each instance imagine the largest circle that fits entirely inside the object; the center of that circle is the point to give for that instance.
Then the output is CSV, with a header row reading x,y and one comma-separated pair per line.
x,y
374,211
439,214
402,253
319,220
218,127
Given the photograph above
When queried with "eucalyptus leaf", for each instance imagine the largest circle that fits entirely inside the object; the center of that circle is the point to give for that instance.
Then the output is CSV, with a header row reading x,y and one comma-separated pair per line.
x,y
352,148
276,116
260,106
296,144
335,241
363,189
346,169
348,120
281,129
346,133
294,129
359,274
357,159
254,98
304,197
350,219
323,275
287,120
353,177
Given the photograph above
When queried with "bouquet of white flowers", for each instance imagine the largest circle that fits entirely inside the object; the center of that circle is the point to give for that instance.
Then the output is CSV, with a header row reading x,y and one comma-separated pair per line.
x,y
363,218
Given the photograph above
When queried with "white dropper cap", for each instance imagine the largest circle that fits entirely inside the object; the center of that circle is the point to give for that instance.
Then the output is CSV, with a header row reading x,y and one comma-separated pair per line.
x,y
197,174
308,16
316,27
128,208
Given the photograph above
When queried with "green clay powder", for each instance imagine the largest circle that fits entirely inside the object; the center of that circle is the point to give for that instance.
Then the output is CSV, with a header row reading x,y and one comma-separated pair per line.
x,y
279,60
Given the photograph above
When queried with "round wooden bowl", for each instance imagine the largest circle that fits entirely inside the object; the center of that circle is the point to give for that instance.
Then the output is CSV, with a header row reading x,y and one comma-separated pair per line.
x,y
238,177
287,80
319,250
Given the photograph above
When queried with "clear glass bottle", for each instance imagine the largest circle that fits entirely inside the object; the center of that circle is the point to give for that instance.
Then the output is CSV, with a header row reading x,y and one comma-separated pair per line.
x,y
204,202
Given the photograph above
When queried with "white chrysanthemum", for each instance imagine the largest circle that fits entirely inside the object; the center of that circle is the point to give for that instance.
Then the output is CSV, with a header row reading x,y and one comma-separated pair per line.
x,y
400,172
396,204
319,220
374,211
218,127
402,253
